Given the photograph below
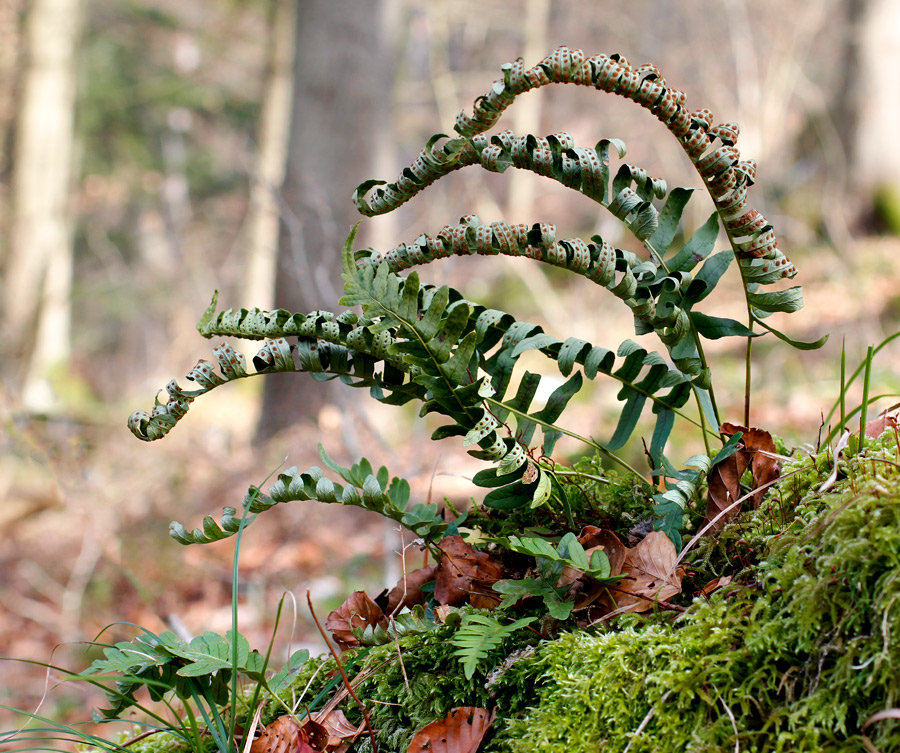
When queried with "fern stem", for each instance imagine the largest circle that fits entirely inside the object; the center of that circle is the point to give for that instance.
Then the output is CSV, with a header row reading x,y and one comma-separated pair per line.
x,y
586,440
591,476
747,373
704,427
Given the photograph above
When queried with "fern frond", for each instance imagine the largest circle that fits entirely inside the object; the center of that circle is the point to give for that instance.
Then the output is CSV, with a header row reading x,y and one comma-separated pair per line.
x,y
365,488
711,149
478,635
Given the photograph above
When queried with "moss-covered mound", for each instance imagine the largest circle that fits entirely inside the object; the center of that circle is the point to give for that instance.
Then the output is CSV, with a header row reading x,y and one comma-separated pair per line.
x,y
797,650
795,654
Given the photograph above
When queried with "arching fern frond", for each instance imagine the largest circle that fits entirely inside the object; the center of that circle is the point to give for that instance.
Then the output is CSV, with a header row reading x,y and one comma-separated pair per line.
x,y
711,148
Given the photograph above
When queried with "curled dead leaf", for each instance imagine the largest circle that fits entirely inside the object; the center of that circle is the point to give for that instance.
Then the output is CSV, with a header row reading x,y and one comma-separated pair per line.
x,y
464,575
358,611
886,420
757,448
461,731
586,590
338,728
715,584
592,537
408,591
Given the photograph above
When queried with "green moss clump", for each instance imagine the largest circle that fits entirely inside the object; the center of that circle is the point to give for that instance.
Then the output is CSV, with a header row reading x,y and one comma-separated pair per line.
x,y
796,654
404,696
795,659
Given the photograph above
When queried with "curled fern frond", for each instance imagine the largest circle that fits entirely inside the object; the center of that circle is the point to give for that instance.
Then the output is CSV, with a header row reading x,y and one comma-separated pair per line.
x,y
365,488
654,295
710,147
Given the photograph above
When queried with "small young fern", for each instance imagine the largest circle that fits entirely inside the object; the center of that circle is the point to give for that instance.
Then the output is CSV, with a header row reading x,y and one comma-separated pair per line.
x,y
478,635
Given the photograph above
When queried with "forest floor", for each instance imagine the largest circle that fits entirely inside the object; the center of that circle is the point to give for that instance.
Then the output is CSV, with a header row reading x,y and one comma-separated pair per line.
x,y
85,508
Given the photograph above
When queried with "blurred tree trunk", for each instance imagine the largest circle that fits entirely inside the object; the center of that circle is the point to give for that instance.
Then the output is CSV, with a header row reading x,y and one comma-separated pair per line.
x,y
10,33
867,107
341,97
259,287
38,272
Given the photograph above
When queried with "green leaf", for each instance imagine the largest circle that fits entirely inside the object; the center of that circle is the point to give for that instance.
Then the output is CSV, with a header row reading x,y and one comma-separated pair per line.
x,y
489,478
697,248
669,219
788,300
571,550
510,497
542,490
209,653
708,276
798,344
714,327
285,676
478,635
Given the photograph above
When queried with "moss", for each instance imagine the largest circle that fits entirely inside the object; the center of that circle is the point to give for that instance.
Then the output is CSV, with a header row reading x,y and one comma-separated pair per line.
x,y
797,660
404,697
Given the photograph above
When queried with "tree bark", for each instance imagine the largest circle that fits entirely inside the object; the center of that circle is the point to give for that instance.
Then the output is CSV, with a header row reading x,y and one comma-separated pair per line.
x,y
38,274
259,288
341,96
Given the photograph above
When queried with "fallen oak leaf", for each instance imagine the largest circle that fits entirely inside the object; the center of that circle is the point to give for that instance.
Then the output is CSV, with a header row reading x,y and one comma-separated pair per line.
x,y
715,584
593,539
338,728
650,575
358,611
885,420
284,735
464,575
461,731
759,454
408,591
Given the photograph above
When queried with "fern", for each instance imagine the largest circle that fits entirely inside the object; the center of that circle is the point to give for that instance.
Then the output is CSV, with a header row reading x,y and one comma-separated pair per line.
x,y
365,488
478,635
411,341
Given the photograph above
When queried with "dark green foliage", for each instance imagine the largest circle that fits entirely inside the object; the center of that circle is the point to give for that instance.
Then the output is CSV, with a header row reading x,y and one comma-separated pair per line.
x,y
199,669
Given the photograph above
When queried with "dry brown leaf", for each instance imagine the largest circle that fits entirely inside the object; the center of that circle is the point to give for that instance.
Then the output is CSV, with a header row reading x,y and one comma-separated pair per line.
x,y
461,731
358,611
338,728
408,591
465,575
647,580
725,477
594,539
715,584
878,426
284,735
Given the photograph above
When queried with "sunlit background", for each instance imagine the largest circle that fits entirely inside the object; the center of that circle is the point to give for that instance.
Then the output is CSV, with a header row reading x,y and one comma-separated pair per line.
x,y
154,151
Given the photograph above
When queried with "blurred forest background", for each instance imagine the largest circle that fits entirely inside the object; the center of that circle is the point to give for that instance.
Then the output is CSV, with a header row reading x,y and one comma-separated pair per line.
x,y
154,151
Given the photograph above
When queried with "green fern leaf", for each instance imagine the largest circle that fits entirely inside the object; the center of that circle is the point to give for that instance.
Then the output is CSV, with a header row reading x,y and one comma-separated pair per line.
x,y
478,635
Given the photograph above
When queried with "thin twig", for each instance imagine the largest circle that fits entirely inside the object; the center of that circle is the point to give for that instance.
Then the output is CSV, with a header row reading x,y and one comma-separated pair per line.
x,y
362,707
645,721
737,742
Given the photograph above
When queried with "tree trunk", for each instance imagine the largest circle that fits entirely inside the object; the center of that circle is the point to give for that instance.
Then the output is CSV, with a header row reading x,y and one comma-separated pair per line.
x,y
38,275
341,97
259,288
